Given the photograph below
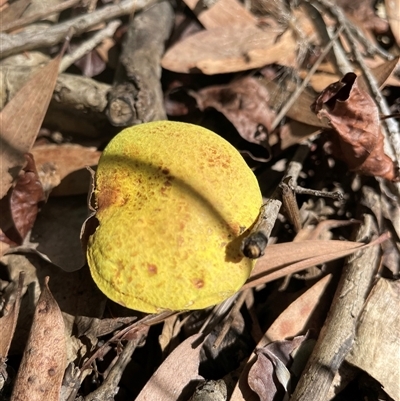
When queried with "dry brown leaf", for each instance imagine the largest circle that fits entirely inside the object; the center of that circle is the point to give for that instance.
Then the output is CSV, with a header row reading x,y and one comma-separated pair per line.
x,y
20,121
244,103
232,49
43,363
291,257
269,376
393,16
355,118
221,13
296,318
21,205
179,370
291,322
376,348
228,46
67,163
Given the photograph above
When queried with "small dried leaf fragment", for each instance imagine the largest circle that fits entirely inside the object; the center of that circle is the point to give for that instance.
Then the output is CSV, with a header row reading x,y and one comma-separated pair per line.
x,y
20,121
357,138
378,354
244,103
270,375
43,363
291,322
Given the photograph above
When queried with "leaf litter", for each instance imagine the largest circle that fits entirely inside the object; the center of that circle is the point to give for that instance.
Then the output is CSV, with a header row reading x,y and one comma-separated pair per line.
x,y
236,74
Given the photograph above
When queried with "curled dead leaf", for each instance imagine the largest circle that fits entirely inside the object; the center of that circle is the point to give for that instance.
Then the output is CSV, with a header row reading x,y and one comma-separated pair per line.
x,y
357,138
270,376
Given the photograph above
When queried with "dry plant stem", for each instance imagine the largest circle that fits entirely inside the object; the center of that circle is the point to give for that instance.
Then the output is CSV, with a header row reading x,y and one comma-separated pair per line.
x,y
19,23
253,246
337,335
296,164
218,313
136,95
148,320
109,387
337,12
231,317
46,37
89,45
305,82
290,205
306,191
291,176
342,61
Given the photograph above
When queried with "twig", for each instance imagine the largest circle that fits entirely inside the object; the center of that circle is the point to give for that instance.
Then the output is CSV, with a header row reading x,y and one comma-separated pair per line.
x,y
342,60
290,205
21,22
231,317
46,37
337,335
338,14
89,45
109,387
253,246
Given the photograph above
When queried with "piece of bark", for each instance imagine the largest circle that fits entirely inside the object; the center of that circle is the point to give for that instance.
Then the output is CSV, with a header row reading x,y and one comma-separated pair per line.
x,y
337,335
210,390
379,353
136,95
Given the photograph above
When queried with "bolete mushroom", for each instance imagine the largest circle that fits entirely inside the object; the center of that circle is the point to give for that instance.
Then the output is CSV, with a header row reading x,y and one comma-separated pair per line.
x,y
173,202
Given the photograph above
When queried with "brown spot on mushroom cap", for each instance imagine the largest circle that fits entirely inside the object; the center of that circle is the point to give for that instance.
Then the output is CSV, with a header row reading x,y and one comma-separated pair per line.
x,y
151,269
198,282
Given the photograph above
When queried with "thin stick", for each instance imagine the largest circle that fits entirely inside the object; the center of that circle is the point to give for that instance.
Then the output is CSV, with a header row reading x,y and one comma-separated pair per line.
x,y
108,388
46,37
89,45
21,22
337,335
231,317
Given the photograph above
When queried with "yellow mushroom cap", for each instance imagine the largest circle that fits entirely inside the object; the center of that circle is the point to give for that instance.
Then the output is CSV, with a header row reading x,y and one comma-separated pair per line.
x,y
174,201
